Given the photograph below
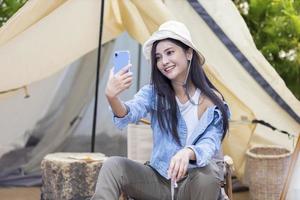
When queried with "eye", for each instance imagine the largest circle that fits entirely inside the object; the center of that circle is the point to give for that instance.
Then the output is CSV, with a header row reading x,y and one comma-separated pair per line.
x,y
170,52
158,58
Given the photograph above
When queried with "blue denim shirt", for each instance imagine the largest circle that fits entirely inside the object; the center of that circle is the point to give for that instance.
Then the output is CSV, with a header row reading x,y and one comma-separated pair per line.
x,y
205,140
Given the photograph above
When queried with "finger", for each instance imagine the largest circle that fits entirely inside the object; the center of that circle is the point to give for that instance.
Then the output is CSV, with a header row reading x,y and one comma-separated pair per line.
x,y
111,73
181,171
127,85
175,170
121,79
126,75
127,80
171,167
123,70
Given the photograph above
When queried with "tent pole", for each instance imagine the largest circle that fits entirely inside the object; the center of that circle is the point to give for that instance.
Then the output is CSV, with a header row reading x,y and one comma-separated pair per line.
x,y
97,78
293,161
138,85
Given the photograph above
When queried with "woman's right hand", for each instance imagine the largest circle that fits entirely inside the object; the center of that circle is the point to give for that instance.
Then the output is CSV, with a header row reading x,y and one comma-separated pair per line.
x,y
118,82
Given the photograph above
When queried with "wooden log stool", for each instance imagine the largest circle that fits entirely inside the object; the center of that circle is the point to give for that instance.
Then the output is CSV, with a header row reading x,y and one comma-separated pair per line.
x,y
70,176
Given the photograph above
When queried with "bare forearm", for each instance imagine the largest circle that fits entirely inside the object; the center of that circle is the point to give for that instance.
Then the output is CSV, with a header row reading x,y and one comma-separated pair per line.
x,y
117,106
115,85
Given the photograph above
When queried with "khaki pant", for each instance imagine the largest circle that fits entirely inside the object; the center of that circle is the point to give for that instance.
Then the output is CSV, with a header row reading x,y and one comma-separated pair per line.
x,y
141,182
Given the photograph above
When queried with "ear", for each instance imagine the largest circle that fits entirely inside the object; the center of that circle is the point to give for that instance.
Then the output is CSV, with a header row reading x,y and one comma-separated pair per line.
x,y
189,54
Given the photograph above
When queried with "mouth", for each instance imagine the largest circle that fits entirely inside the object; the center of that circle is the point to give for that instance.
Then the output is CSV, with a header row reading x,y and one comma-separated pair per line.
x,y
168,69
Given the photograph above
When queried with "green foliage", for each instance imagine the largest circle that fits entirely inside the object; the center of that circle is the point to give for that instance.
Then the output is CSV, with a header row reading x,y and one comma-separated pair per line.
x,y
8,8
275,27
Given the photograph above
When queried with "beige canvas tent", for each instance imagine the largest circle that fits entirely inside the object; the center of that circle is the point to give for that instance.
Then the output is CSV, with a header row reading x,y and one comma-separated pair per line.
x,y
44,37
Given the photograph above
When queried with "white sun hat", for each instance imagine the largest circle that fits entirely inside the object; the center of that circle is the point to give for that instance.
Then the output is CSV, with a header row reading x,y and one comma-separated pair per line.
x,y
170,29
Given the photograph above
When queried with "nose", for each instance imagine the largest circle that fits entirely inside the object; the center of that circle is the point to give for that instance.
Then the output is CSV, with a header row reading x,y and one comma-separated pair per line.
x,y
165,60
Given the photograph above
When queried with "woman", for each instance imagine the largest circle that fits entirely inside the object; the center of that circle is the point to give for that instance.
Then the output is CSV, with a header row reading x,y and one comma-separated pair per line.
x,y
189,119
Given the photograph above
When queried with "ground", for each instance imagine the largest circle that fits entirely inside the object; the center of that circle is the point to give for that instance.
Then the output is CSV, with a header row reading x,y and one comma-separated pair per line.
x,y
20,193
33,193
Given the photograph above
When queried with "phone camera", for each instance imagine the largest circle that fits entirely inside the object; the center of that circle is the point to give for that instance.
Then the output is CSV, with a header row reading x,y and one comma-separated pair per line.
x,y
116,54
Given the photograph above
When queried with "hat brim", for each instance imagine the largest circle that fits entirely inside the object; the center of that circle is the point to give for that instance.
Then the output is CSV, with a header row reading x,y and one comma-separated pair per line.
x,y
161,35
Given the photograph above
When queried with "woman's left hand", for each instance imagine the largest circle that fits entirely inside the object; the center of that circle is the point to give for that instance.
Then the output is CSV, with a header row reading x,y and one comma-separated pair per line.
x,y
179,164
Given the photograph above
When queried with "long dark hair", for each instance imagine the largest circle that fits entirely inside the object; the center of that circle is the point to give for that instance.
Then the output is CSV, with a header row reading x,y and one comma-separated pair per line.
x,y
167,118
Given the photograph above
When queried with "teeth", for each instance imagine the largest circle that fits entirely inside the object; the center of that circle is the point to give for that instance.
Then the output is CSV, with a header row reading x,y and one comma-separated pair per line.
x,y
169,68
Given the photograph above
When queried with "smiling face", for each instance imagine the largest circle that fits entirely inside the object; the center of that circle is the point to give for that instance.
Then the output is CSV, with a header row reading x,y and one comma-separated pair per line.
x,y
172,60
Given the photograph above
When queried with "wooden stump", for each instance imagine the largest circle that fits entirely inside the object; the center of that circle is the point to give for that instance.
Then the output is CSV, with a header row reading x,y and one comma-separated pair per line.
x,y
70,176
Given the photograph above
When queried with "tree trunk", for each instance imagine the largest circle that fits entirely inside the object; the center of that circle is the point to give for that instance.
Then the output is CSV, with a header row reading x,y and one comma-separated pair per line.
x,y
70,176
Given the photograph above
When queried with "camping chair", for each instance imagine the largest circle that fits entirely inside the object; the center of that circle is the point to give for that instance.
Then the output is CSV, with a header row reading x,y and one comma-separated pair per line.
x,y
139,147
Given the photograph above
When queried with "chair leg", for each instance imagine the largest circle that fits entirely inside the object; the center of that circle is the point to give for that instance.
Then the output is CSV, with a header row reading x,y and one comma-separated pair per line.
x,y
224,195
228,186
123,196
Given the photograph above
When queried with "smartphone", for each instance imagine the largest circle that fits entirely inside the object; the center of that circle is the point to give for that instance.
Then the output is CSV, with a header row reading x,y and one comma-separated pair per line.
x,y
121,59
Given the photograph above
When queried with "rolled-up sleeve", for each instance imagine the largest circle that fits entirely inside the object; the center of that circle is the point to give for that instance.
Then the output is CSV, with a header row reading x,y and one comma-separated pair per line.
x,y
210,141
137,108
